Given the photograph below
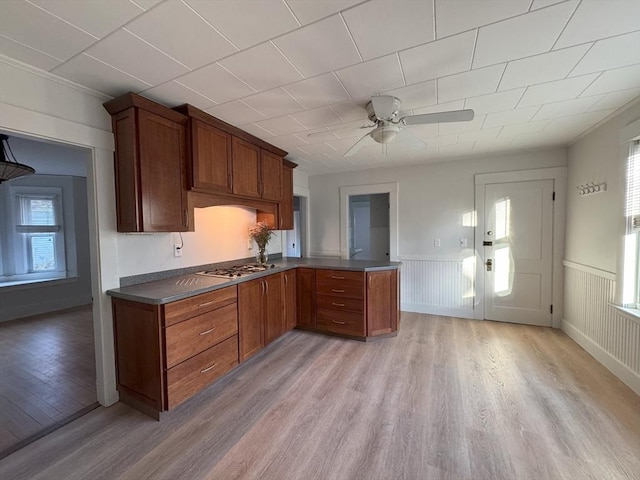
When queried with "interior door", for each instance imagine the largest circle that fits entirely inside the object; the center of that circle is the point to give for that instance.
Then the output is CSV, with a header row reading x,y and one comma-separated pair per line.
x,y
518,222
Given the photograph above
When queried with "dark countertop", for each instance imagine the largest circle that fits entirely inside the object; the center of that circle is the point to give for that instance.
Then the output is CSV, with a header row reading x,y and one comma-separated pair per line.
x,y
176,288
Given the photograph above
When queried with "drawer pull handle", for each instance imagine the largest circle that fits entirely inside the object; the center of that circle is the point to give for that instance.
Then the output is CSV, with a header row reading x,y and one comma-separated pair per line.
x,y
337,291
336,304
207,303
208,331
208,368
336,321
337,278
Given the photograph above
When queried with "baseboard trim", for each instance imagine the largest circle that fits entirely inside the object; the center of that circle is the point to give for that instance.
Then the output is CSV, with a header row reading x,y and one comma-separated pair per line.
x,y
437,310
626,375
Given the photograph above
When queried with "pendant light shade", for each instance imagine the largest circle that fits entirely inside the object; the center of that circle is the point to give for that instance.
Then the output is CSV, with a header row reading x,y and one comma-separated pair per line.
x,y
9,167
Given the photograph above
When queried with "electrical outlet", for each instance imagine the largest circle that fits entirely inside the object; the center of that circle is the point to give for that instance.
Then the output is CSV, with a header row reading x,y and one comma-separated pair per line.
x,y
249,244
436,242
177,250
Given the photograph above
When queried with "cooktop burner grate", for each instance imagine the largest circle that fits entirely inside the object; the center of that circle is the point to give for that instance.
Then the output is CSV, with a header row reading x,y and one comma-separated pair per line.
x,y
236,271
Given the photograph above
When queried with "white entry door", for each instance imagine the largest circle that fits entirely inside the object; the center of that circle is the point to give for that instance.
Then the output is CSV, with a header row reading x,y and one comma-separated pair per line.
x,y
518,240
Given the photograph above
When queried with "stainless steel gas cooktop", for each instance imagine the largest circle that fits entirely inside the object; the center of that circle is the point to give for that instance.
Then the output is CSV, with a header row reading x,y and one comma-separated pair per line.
x,y
236,271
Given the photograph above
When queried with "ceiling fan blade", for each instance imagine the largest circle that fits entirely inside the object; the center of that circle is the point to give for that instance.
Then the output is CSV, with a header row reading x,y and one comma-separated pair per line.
x,y
324,132
409,140
439,117
363,142
385,106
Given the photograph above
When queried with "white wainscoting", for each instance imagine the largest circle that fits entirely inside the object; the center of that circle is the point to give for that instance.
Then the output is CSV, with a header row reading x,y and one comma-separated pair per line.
x,y
609,335
437,287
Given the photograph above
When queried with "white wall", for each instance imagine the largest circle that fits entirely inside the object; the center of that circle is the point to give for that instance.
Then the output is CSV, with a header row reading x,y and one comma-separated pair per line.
x,y
593,249
435,201
36,104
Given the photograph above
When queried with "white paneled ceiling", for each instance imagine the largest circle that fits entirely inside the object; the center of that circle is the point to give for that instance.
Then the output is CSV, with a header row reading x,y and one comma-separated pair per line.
x,y
537,73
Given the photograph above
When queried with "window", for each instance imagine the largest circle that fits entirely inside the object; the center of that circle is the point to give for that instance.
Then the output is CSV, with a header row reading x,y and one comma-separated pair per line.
x,y
631,273
34,235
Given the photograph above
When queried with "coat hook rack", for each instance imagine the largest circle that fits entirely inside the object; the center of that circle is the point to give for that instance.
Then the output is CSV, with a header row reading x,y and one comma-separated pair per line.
x,y
591,188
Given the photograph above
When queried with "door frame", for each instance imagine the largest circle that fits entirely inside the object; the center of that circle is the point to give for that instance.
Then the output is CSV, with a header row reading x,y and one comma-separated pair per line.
x,y
559,177
346,192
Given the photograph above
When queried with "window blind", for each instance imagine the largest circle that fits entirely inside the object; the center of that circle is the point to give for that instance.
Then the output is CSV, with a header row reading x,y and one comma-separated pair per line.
x,y
632,196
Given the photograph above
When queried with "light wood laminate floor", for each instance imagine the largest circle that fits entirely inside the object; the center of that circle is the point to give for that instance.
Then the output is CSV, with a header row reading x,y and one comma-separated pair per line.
x,y
47,373
447,398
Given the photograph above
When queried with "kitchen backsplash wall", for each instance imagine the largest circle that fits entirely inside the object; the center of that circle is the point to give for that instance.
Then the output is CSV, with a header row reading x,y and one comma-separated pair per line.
x,y
220,235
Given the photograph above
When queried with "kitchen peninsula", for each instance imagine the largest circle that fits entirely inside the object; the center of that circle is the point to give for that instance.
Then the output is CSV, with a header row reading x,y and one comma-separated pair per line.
x,y
175,336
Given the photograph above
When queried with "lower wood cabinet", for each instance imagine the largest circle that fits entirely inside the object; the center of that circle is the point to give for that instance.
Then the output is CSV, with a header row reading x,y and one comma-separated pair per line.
x,y
167,353
356,304
306,290
260,313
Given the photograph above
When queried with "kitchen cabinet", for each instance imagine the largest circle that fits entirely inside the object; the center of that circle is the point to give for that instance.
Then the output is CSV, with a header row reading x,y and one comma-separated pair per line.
x,y
382,302
358,304
167,353
286,204
260,313
305,301
246,168
150,165
289,279
270,176
340,298
211,168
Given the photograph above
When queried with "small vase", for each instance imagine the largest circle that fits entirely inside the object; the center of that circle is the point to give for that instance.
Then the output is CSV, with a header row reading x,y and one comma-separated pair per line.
x,y
262,256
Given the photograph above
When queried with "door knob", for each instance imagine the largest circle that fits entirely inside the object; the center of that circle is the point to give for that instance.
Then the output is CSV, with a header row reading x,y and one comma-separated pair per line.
x,y
490,232
489,264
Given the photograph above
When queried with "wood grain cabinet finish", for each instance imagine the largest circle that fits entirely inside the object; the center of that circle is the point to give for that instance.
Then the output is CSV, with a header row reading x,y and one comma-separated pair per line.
x,y
150,165
167,353
211,167
286,204
289,289
246,168
358,304
270,176
260,313
305,302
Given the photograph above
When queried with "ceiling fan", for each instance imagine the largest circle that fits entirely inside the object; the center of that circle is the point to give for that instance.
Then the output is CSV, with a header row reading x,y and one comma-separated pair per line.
x,y
383,111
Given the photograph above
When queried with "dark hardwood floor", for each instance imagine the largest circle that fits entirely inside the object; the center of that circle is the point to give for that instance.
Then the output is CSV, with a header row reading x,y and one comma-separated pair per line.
x,y
47,374
447,398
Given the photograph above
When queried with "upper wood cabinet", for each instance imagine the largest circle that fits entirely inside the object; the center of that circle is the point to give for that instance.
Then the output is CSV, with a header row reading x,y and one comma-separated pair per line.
x,y
150,165
286,204
211,168
246,168
270,176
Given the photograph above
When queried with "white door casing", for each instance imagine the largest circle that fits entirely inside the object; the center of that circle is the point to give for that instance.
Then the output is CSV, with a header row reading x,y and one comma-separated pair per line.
x,y
517,252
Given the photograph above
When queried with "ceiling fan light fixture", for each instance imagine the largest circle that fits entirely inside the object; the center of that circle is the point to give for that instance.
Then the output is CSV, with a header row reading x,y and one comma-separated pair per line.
x,y
385,134
9,166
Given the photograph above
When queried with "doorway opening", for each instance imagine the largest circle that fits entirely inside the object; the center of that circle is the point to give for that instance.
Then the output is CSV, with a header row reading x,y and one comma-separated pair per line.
x,y
46,300
387,228
296,239
369,227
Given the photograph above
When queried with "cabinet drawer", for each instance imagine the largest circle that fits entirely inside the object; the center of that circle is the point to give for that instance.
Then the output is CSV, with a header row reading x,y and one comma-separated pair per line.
x,y
347,323
190,307
188,338
340,303
340,283
190,377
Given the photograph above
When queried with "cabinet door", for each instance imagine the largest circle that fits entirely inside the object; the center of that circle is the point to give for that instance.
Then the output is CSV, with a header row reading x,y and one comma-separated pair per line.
x,y
289,285
273,308
271,176
286,204
382,302
250,329
306,289
162,174
211,168
246,168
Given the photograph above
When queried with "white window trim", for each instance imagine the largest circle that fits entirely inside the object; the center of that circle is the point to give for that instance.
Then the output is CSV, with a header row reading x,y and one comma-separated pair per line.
x,y
627,135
